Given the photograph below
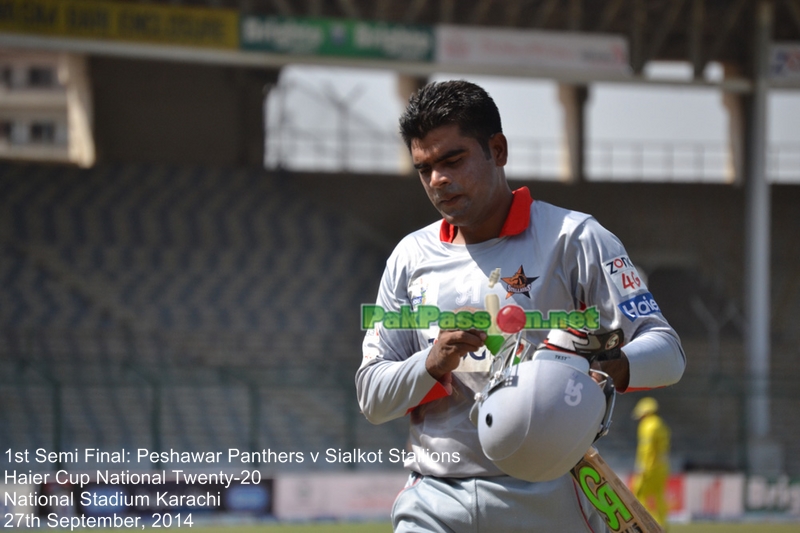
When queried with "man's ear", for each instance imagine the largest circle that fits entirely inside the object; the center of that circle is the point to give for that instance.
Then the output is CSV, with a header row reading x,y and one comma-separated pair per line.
x,y
498,148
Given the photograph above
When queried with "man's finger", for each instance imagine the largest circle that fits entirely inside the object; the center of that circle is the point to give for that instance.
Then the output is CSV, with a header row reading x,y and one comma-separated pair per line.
x,y
450,347
471,337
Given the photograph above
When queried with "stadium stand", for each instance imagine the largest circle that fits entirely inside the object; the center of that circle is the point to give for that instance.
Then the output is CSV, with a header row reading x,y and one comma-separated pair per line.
x,y
186,308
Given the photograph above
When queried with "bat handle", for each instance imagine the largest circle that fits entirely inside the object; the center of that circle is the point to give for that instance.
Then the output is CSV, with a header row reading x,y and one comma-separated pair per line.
x,y
492,304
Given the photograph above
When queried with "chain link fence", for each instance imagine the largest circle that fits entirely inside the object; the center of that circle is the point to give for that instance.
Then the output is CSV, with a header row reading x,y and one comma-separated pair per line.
x,y
62,391
113,389
325,149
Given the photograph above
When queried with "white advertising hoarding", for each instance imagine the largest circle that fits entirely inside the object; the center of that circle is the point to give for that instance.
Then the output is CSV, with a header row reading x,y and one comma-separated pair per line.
x,y
785,61
362,496
465,45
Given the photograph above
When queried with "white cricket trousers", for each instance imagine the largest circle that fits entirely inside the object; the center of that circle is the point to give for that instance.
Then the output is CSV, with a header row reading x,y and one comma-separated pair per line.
x,y
493,505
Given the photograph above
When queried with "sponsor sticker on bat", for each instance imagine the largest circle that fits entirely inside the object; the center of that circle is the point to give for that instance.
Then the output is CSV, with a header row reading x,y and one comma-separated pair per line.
x,y
624,275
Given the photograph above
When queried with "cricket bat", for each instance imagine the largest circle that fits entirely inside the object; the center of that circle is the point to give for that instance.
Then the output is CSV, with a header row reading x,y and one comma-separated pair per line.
x,y
491,302
621,510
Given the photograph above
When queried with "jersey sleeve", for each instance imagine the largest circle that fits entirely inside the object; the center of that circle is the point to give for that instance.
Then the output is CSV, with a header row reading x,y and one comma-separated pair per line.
x,y
392,378
606,278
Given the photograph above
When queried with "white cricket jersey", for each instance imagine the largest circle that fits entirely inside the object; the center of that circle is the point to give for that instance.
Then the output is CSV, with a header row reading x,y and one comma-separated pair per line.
x,y
550,260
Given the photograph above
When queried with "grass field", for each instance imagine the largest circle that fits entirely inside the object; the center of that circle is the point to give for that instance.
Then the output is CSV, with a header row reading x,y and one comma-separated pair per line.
x,y
386,528
684,528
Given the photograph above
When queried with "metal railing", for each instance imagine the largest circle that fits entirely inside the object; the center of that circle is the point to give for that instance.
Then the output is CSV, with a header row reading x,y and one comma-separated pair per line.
x,y
783,162
659,161
367,151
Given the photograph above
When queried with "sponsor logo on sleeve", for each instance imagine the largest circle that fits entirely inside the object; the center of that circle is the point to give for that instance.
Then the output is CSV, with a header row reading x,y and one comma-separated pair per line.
x,y
624,275
639,306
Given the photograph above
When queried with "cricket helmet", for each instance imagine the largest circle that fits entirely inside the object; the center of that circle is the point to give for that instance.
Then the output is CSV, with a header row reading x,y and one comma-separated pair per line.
x,y
537,418
645,406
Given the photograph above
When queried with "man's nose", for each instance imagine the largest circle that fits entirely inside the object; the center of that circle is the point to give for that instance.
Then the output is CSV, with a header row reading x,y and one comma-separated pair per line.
x,y
438,178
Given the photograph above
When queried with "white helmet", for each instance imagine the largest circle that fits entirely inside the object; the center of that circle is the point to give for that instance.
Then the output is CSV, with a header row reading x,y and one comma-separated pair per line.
x,y
536,419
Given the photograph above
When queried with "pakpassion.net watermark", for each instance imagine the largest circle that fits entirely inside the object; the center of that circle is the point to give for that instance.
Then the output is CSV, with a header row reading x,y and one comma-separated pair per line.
x,y
426,316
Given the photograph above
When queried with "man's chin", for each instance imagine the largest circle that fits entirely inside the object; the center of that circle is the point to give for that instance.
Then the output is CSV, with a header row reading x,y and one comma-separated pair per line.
x,y
453,220
455,217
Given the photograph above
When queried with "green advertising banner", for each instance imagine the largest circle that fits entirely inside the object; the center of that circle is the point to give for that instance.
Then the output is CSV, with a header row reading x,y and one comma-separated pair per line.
x,y
344,38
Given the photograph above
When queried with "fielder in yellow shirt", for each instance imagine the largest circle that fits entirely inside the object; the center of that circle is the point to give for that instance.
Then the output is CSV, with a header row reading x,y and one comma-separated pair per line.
x,y
652,459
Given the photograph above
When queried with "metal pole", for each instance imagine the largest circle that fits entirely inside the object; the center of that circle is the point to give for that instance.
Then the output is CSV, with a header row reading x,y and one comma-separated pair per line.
x,y
155,421
757,249
255,421
58,421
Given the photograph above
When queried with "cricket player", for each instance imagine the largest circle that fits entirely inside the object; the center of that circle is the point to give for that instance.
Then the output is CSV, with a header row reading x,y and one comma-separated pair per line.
x,y
551,260
652,459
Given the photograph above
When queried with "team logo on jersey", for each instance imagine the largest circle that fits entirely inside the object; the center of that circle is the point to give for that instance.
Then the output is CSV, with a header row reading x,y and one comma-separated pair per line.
x,y
519,283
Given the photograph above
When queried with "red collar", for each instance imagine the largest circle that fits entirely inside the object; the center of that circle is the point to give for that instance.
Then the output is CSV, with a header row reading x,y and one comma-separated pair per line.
x,y
517,221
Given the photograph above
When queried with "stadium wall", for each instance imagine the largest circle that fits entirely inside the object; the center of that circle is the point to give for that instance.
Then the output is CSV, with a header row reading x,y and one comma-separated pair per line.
x,y
689,227
170,112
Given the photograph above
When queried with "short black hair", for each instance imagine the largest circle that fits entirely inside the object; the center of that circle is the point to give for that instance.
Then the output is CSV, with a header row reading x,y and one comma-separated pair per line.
x,y
444,103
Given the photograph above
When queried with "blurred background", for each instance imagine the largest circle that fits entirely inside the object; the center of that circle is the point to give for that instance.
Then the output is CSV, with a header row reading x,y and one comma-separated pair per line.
x,y
196,196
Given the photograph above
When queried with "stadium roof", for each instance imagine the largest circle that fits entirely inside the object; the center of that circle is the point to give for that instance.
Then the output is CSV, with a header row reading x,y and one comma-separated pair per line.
x,y
696,31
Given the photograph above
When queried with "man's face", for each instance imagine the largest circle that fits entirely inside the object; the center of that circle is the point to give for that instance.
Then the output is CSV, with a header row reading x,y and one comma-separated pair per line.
x,y
464,185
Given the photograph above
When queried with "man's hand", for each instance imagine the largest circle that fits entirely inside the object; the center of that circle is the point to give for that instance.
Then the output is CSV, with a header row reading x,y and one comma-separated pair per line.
x,y
602,350
450,346
618,369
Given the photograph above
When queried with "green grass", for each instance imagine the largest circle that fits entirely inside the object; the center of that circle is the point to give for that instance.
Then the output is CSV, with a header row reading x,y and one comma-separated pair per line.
x,y
386,528
324,527
329,527
315,527
735,528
